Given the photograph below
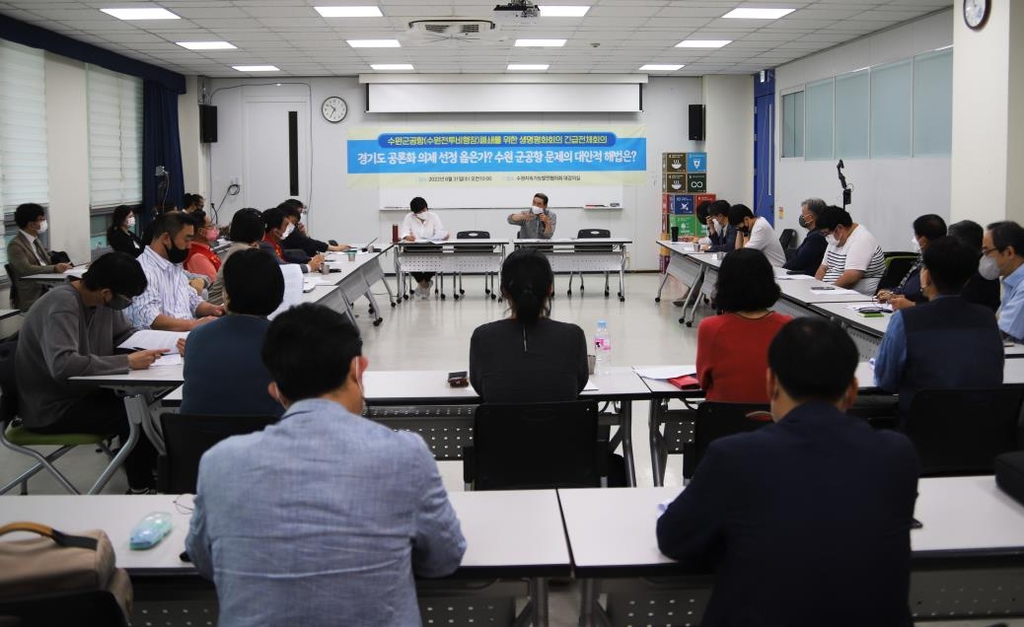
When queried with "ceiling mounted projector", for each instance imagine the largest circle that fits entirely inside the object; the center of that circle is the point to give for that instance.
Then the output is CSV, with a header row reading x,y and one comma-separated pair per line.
x,y
518,8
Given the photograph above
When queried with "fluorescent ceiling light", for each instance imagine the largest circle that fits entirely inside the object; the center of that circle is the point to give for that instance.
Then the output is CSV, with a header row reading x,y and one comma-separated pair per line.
x,y
703,43
527,67
563,11
407,67
758,14
540,43
373,43
655,67
206,45
362,11
141,14
256,68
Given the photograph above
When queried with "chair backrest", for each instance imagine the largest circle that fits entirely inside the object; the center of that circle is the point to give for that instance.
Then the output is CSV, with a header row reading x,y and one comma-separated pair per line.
x,y
536,445
716,420
788,239
473,235
960,432
8,380
593,234
91,607
897,264
13,293
188,436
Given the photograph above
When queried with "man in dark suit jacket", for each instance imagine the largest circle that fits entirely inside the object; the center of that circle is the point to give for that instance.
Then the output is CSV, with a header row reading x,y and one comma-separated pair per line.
x,y
805,522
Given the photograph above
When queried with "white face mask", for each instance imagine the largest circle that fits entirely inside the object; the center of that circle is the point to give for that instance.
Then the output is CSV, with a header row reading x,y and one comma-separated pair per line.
x,y
536,210
988,268
288,230
43,226
831,239
916,245
130,222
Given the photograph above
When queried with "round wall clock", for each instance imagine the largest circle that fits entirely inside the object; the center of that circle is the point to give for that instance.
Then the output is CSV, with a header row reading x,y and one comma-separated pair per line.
x,y
334,109
976,12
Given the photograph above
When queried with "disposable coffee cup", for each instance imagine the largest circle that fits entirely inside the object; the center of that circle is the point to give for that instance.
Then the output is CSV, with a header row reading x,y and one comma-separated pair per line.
x,y
351,252
591,362
675,233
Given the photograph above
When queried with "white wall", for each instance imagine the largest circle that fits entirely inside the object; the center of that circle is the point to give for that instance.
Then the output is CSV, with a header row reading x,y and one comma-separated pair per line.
x,y
67,146
889,193
352,214
194,159
729,137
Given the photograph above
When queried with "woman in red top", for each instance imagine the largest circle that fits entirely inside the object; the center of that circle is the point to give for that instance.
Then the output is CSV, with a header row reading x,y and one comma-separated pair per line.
x,y
201,258
732,348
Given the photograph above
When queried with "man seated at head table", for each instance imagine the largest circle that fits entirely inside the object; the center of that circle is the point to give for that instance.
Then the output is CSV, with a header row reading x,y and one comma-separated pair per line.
x,y
73,330
721,235
324,517
537,221
808,256
169,302
223,372
805,522
951,343
908,292
1002,256
853,259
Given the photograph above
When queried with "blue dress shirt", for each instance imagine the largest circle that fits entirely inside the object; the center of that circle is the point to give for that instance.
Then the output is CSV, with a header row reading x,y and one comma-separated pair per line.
x,y
892,355
1011,314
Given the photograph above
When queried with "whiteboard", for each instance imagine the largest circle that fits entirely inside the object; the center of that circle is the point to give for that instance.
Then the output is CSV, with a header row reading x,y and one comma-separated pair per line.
x,y
513,197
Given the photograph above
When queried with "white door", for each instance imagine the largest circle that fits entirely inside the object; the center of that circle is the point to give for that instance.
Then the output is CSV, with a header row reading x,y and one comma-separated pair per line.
x,y
276,158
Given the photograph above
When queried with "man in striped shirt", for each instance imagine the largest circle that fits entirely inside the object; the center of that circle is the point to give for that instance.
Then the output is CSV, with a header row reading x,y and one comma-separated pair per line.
x,y
853,259
169,302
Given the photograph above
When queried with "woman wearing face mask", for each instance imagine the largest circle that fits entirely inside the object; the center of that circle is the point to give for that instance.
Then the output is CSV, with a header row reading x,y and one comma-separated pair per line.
x,y
422,225
121,234
201,258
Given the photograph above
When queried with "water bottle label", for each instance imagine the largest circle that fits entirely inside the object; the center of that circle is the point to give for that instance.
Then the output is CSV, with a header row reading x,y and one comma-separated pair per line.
x,y
601,344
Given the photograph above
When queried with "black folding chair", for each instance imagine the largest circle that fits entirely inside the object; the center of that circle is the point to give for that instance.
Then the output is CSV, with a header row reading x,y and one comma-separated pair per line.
x,y
484,249
716,420
534,446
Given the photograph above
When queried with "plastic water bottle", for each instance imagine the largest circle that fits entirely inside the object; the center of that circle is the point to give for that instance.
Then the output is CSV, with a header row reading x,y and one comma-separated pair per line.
x,y
602,349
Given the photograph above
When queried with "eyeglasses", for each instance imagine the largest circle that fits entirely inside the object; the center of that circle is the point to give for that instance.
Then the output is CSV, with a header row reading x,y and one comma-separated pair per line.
x,y
985,251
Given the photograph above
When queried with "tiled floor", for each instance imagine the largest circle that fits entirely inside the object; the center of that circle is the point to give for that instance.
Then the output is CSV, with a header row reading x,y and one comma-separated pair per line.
x,y
434,334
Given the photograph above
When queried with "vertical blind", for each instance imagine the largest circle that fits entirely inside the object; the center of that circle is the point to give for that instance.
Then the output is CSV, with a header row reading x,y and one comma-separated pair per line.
x,y
115,138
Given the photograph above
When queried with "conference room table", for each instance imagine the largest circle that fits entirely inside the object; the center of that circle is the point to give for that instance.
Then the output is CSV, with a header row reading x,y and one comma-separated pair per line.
x,y
967,560
577,255
510,536
454,257
350,277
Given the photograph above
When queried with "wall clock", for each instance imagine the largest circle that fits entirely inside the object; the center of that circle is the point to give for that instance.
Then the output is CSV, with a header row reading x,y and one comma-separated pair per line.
x,y
334,109
976,12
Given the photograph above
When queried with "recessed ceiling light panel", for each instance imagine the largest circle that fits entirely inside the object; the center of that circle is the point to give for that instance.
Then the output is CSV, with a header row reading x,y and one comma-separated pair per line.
x,y
540,43
155,13
256,68
206,45
757,14
659,67
373,43
360,11
391,67
563,11
527,67
703,43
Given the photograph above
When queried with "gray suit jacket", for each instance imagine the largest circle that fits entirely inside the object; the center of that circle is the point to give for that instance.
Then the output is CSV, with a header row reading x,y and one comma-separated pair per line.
x,y
23,262
322,519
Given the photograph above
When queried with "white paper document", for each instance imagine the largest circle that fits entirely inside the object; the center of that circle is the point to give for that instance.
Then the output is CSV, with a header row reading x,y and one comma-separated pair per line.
x,y
662,373
168,359
149,339
794,277
834,291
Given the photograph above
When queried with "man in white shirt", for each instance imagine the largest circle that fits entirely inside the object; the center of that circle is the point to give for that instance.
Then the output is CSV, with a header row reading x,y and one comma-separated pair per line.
x,y
423,225
169,302
853,259
755,232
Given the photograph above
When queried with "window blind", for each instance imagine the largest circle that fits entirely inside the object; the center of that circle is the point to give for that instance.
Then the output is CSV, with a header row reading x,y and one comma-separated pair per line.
x,y
23,164
115,138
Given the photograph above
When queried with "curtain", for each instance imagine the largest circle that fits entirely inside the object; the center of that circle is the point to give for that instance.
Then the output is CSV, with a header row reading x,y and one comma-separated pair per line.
x,y
161,146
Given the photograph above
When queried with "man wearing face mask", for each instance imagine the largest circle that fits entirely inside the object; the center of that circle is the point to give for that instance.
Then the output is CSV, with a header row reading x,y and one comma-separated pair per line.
x,y
27,255
369,501
808,256
298,239
908,292
278,228
1002,255
169,302
537,222
73,330
755,232
721,234
853,259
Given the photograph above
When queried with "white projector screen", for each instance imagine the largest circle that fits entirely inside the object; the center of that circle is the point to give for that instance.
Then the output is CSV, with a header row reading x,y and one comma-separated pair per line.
x,y
502,98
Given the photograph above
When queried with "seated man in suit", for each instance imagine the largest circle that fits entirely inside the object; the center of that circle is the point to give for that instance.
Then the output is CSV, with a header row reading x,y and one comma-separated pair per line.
x,y
721,234
805,522
27,255
324,517
277,229
1002,256
908,292
951,343
294,211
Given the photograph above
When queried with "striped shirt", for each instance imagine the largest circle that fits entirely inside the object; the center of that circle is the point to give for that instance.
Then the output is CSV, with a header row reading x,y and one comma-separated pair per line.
x,y
860,252
168,292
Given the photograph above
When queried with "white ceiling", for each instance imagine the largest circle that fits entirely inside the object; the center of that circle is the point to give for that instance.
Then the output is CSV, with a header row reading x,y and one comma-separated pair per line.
x,y
616,36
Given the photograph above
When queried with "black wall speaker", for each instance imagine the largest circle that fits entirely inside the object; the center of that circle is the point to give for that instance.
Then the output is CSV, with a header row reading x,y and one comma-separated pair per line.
x,y
208,124
697,122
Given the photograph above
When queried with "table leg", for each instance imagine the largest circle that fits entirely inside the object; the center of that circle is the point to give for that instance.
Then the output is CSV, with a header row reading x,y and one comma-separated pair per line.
x,y
126,449
653,422
626,428
661,287
588,602
376,310
539,593
695,290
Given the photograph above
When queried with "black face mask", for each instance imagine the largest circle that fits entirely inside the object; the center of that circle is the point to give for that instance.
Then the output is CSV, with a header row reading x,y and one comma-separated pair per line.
x,y
803,223
175,254
744,230
119,303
